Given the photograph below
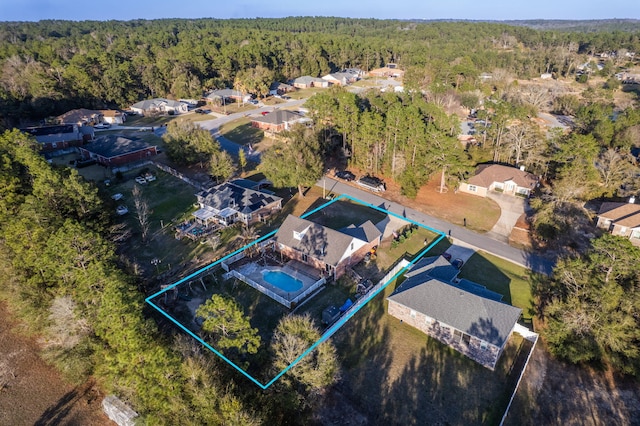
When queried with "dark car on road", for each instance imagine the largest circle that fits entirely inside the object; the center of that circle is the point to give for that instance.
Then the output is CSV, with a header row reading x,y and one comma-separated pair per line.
x,y
373,183
346,175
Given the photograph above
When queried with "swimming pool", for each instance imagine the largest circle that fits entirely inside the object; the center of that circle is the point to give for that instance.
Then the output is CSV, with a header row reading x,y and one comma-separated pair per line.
x,y
282,280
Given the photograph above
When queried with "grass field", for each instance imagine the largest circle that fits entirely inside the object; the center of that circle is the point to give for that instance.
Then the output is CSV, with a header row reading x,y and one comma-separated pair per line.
x,y
503,277
241,132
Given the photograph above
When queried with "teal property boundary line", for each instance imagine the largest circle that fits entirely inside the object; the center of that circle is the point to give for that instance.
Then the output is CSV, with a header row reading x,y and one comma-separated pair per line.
x,y
329,332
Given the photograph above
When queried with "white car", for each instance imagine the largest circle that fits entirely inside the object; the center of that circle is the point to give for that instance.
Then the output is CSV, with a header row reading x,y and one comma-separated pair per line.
x,y
121,210
141,180
102,126
150,178
117,196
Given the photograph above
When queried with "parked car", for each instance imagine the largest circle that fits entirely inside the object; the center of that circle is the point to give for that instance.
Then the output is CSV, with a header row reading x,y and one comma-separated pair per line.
x,y
457,263
264,112
373,183
121,210
346,175
141,180
253,102
117,196
102,126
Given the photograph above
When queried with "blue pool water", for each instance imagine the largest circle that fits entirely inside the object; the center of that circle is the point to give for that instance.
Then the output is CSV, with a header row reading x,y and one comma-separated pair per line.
x,y
282,280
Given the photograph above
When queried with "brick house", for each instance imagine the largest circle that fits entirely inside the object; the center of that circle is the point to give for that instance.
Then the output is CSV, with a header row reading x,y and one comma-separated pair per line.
x,y
63,136
458,313
277,121
496,177
228,203
340,78
326,249
114,150
306,82
622,219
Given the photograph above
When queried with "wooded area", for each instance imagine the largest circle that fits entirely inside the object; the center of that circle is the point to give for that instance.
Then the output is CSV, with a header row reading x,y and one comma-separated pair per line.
x,y
57,252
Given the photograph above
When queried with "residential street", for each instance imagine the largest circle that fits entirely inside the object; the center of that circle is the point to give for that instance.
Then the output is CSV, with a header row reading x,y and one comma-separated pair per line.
x,y
482,242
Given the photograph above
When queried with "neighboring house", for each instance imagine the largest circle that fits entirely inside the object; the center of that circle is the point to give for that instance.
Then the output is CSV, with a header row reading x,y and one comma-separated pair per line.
x,y
389,71
306,82
278,88
54,138
463,315
159,106
622,219
278,120
340,78
226,95
112,116
356,72
496,177
114,150
327,250
81,117
228,203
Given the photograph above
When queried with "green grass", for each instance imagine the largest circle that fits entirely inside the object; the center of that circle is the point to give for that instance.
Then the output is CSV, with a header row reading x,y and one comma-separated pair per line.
x,y
241,132
503,277
344,213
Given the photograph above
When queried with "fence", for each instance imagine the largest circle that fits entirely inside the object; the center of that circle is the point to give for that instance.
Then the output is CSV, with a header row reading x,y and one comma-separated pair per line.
x,y
361,301
308,291
179,175
225,264
258,287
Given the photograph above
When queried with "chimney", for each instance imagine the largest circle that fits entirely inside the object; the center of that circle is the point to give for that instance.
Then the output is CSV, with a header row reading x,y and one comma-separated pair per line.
x,y
522,168
632,199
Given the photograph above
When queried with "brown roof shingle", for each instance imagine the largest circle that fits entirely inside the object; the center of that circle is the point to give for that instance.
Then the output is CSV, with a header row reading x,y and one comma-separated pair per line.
x,y
486,174
623,214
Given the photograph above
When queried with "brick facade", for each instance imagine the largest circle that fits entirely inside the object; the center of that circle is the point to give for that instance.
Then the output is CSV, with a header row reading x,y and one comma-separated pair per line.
x,y
481,352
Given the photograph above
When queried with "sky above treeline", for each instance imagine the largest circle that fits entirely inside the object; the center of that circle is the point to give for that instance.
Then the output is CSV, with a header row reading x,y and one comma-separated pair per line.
x,y
78,10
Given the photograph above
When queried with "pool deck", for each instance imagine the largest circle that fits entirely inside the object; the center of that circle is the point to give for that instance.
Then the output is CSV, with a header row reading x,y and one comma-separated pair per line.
x,y
254,272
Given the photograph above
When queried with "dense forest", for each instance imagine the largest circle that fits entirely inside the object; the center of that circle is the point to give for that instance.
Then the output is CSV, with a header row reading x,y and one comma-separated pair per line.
x,y
50,67
60,265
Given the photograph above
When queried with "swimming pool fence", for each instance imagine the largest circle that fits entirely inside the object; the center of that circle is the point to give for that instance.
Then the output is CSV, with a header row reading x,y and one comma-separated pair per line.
x,y
225,263
271,294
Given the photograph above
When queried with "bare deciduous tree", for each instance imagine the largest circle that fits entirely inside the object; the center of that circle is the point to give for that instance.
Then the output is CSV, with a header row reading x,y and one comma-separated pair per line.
x,y
143,212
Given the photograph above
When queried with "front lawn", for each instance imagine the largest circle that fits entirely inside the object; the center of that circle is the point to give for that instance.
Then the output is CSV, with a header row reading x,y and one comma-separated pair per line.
x,y
241,132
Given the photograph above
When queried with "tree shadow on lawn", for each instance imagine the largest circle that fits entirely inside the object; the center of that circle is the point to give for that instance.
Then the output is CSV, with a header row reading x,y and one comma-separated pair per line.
x,y
481,271
245,134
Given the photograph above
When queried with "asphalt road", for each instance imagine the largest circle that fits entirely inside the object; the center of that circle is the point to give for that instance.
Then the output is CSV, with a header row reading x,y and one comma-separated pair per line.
x,y
524,258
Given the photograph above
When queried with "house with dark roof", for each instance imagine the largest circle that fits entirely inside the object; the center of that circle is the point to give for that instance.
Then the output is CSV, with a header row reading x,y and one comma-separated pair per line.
x,y
278,120
306,82
54,138
499,178
116,150
622,219
278,88
327,250
159,106
228,203
459,313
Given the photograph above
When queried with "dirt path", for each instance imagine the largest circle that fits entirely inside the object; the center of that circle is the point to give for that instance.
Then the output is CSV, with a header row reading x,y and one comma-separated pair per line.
x,y
34,393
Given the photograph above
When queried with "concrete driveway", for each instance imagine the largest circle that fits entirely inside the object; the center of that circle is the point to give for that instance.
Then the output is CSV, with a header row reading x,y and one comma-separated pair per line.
x,y
511,208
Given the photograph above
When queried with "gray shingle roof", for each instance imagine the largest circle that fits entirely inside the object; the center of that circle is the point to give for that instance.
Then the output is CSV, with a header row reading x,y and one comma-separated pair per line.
x,y
435,267
477,316
228,195
279,116
307,79
365,232
156,103
110,146
224,93
320,242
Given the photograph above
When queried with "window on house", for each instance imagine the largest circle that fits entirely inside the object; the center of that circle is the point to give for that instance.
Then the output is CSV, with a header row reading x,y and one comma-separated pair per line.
x,y
483,345
428,320
305,258
412,313
473,188
327,267
457,334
